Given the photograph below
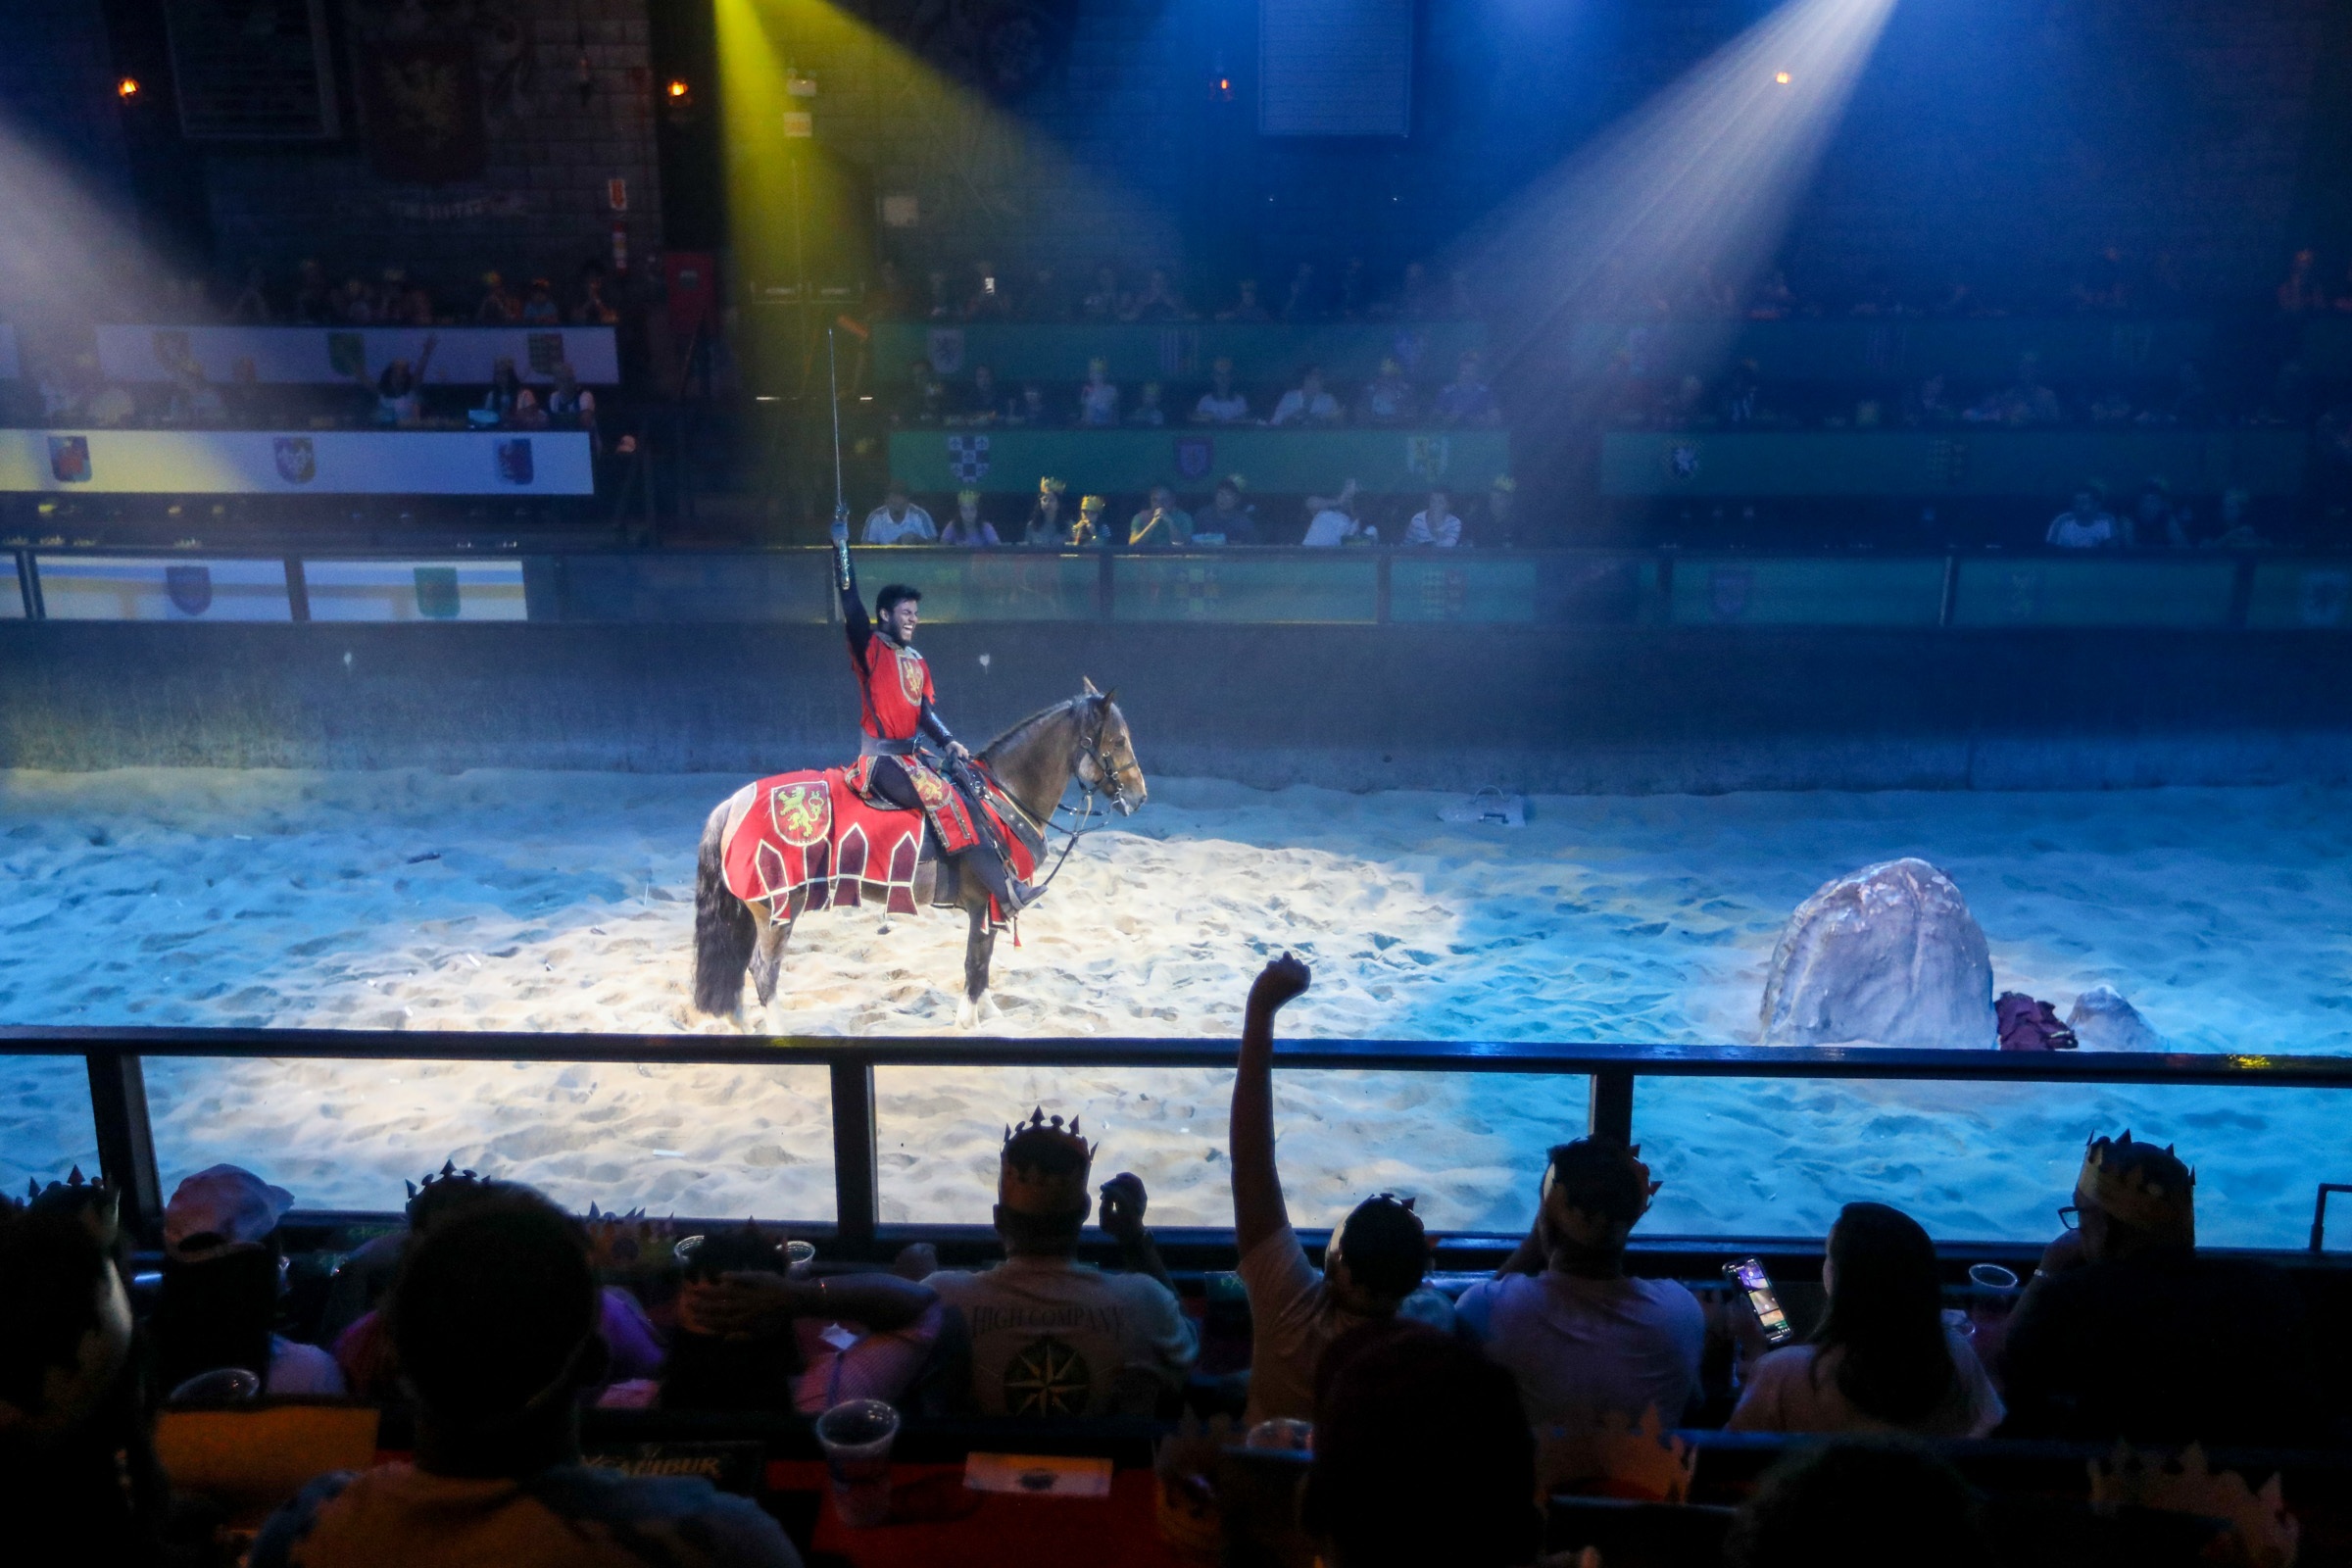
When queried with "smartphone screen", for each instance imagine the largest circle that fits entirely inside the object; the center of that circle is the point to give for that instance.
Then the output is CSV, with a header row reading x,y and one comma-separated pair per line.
x,y
1750,1276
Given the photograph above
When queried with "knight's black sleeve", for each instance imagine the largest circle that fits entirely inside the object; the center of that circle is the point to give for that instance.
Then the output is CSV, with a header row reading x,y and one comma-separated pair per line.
x,y
935,726
853,609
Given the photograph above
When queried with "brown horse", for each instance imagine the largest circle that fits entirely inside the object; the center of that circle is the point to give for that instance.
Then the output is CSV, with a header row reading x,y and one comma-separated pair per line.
x,y
1084,738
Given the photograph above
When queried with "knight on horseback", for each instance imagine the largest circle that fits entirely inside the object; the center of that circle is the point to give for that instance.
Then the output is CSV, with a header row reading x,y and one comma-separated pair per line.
x,y
896,697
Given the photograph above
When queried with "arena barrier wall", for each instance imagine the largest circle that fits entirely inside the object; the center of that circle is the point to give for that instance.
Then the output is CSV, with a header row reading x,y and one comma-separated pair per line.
x,y
1960,462
1011,461
1173,351
218,463
1885,349
322,355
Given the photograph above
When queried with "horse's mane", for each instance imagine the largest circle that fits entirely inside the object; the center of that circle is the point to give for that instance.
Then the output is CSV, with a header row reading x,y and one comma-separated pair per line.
x,y
1021,731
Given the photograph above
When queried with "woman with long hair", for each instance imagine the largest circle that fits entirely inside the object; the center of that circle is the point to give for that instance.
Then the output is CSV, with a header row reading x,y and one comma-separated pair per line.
x,y
1883,1360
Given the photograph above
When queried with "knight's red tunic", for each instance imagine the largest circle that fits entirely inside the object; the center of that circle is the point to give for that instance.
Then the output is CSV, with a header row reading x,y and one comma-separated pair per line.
x,y
897,683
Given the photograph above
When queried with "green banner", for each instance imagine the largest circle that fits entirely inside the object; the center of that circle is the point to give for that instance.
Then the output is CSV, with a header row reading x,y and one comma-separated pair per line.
x,y
1828,592
2050,591
2301,595
1126,462
1956,463
1891,350
1343,586
1058,352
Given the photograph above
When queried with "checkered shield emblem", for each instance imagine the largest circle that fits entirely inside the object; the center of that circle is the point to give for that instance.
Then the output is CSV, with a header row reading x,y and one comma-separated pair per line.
x,y
967,457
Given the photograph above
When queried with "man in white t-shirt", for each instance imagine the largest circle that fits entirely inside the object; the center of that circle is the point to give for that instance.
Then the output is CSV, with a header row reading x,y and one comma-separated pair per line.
x,y
1050,1335
899,520
1224,402
1332,521
1434,525
2086,525
1372,1271
1307,403
1584,1338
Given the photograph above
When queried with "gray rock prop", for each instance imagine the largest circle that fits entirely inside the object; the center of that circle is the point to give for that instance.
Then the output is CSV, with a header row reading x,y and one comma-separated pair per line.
x,y
2102,1020
1886,956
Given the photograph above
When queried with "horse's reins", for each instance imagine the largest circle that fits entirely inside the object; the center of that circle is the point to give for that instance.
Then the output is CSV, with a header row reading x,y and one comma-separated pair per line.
x,y
1112,791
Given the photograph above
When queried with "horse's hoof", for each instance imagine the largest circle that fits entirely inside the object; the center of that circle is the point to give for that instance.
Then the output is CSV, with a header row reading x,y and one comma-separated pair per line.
x,y
966,1014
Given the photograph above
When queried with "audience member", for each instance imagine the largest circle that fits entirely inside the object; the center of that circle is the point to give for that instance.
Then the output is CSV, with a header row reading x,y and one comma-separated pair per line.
x,y
252,306
2129,1330
1302,301
1860,1505
497,308
1227,518
1030,411
1883,1360
2086,525
1372,1268
1306,403
2025,402
2302,289
539,307
980,403
898,520
223,1273
2154,522
1421,1456
194,401
988,300
495,1319
1103,302
1584,1338
1500,531
1097,396
1050,1335
571,402
1466,400
1434,525
1246,306
968,530
594,309
313,296
1161,524
400,388
2236,525
1332,520
1156,301
1147,411
509,402
1044,525
926,397
1223,403
1089,531
1388,398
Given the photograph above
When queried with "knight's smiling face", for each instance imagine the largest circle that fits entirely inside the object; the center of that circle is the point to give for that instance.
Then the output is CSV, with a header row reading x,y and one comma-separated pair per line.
x,y
904,618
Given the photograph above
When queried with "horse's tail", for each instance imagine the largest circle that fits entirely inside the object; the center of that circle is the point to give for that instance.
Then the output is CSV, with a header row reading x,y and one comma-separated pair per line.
x,y
724,932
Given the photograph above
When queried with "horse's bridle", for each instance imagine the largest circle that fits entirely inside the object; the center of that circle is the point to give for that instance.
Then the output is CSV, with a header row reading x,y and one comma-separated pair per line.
x,y
1113,792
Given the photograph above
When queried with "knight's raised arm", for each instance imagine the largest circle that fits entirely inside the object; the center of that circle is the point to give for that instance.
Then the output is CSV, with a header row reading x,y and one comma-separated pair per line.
x,y
853,608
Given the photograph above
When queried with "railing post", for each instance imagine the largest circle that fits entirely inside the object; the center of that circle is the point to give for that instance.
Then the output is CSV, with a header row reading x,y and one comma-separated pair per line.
x,y
1951,591
29,584
1105,585
1610,1111
126,1140
298,590
857,1181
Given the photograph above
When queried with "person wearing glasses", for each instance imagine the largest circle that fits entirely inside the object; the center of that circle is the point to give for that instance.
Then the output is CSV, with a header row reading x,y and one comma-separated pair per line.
x,y
1373,1268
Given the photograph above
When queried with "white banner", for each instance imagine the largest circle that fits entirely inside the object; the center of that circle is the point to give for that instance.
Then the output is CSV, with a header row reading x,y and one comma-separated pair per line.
x,y
462,356
415,590
380,462
162,588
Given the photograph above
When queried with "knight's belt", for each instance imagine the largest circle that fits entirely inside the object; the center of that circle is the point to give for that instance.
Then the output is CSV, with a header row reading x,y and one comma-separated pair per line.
x,y
869,746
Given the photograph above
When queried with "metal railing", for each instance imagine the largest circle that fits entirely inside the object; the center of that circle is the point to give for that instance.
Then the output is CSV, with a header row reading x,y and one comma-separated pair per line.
x,y
126,1143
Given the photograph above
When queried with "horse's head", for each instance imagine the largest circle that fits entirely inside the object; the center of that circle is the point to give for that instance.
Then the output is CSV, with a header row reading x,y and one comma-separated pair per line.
x,y
1106,752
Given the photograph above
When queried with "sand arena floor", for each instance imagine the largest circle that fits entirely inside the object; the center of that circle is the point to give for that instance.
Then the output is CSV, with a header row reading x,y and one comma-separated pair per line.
x,y
564,900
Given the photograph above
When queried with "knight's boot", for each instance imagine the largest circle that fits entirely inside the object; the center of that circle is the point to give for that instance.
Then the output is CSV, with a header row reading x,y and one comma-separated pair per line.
x,y
1011,893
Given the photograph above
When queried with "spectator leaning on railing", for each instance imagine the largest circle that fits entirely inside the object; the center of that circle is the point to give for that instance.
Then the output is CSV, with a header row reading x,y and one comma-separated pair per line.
x,y
1434,525
1161,524
898,520
968,528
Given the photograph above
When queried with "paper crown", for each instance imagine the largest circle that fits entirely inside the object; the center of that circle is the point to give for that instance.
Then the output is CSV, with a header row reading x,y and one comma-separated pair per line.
x,y
625,1243
973,496
1093,504
1505,482
1052,487
1025,1185
1236,480
2134,1195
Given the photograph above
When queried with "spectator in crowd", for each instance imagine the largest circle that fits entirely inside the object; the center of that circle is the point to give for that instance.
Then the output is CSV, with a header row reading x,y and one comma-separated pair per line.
x,y
1050,1335
1373,1268
1156,301
594,309
1306,403
1931,404
1332,521
194,401
1044,525
753,1337
1860,1505
989,300
2236,522
1354,288
1388,398
2129,1330
942,294
355,304
2302,291
898,520
1584,1338
1042,298
1421,1457
1224,402
79,1481
980,403
2085,525
1103,302
252,307
1097,396
223,1277
510,403
926,399
968,530
2154,522
1502,528
539,308
498,307
313,296
495,1319
2191,403
1227,516
1418,295
1434,525
400,388
1030,410
1883,1360
1466,399
1302,301
1161,524
1089,531
1773,299
572,405
1246,306
1147,412
2025,402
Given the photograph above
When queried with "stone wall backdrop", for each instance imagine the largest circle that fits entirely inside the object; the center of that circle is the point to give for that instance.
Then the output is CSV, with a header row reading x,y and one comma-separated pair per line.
x,y
478,136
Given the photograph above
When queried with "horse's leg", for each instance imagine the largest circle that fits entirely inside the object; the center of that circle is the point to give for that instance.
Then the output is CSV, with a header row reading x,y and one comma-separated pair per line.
x,y
978,948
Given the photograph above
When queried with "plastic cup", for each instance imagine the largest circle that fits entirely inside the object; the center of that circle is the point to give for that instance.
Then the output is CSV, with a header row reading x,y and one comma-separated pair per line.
x,y
797,1256
1991,1277
1282,1434
856,1436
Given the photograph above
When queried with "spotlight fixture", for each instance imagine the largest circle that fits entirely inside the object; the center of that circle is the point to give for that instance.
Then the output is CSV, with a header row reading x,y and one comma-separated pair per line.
x,y
127,88
678,89
1781,78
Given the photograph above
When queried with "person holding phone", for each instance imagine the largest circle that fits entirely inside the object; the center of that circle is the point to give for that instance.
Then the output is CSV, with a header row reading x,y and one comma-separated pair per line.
x,y
1583,1338
1883,1360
